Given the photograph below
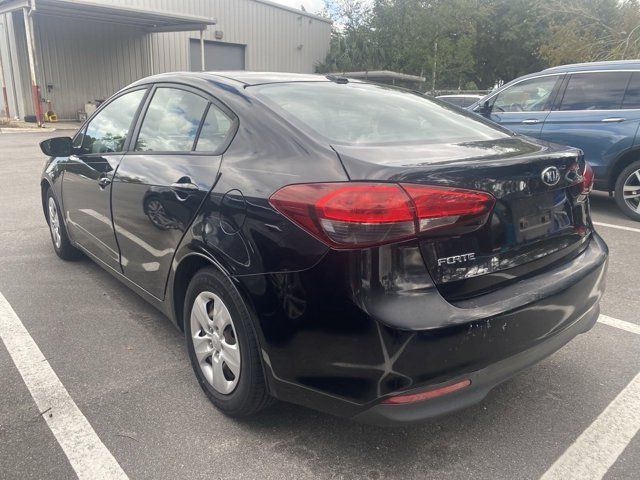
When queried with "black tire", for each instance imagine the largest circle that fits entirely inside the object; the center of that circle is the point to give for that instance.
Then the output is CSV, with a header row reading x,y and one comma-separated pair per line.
x,y
250,394
628,174
63,247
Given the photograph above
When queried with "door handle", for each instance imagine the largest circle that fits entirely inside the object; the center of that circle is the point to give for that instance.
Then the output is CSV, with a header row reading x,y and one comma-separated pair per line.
x,y
184,186
104,182
612,120
530,121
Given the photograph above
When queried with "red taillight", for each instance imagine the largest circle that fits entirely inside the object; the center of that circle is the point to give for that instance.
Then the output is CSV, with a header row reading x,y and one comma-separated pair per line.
x,y
588,178
438,206
427,394
355,214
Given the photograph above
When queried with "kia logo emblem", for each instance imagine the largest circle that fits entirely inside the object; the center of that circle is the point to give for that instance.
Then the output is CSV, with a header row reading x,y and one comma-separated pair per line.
x,y
550,176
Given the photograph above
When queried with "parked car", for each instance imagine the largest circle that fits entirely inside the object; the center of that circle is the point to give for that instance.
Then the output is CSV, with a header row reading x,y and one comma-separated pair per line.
x,y
350,247
461,100
592,106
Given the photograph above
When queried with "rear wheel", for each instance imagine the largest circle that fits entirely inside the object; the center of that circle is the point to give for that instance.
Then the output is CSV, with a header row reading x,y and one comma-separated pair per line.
x,y
59,237
222,345
627,191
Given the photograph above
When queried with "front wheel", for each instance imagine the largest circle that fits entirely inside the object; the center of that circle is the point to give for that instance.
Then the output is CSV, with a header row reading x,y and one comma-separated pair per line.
x,y
627,191
59,238
222,345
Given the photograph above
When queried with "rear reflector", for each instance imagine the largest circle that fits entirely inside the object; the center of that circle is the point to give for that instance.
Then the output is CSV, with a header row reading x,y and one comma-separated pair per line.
x,y
426,395
357,214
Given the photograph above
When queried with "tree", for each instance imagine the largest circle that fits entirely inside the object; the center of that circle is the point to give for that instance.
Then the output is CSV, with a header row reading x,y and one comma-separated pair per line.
x,y
508,35
590,30
478,41
352,43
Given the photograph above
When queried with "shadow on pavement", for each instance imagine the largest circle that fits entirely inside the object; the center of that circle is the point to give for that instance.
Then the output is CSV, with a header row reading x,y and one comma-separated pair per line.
x,y
601,203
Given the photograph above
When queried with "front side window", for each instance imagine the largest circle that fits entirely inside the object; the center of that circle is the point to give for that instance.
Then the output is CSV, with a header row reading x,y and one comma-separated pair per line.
x,y
78,140
171,122
527,96
595,91
107,132
364,114
215,129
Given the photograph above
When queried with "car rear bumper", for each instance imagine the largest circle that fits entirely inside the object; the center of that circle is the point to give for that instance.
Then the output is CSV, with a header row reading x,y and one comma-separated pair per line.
x,y
335,340
482,381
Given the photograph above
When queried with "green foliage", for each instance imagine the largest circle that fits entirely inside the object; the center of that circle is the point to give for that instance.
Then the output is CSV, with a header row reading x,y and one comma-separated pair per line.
x,y
353,47
591,30
475,43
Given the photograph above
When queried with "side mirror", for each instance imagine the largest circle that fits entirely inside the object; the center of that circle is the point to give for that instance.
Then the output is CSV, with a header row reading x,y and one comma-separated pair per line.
x,y
483,108
57,147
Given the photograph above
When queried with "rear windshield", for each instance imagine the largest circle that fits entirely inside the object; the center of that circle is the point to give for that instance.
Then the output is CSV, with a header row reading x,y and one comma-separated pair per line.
x,y
365,114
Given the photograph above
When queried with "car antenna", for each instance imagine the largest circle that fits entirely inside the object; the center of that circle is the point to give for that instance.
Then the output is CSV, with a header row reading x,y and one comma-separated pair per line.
x,y
337,79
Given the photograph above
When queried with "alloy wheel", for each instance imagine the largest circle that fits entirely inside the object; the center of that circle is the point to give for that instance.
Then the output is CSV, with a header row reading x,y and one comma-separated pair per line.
x,y
631,191
215,342
54,223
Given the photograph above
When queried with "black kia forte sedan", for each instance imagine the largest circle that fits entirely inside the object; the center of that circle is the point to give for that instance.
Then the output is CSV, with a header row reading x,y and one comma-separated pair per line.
x,y
354,248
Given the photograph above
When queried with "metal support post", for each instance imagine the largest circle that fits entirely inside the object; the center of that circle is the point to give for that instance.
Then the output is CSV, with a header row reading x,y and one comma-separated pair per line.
x,y
35,92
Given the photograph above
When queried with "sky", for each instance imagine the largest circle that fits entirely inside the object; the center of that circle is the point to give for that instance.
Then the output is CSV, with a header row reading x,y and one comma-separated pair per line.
x,y
312,6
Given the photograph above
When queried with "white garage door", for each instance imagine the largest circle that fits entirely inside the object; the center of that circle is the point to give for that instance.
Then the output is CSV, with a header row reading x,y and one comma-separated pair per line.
x,y
217,55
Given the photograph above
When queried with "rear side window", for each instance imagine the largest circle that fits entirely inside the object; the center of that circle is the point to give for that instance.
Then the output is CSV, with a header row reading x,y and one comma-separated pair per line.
x,y
364,114
632,96
215,130
171,122
108,131
595,91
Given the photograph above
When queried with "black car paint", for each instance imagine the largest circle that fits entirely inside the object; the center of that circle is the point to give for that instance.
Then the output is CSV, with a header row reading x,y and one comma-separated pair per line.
x,y
338,330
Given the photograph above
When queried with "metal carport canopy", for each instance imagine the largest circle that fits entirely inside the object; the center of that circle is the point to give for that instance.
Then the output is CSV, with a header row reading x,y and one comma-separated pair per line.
x,y
148,20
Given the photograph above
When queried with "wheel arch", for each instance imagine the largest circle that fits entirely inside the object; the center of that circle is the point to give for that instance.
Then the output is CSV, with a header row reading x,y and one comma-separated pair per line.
x,y
187,267
620,163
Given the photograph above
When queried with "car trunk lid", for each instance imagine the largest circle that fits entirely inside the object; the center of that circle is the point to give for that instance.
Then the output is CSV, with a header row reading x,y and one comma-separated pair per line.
x,y
539,218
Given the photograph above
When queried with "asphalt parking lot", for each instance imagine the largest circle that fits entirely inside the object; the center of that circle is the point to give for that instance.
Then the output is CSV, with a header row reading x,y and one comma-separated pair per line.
x,y
126,369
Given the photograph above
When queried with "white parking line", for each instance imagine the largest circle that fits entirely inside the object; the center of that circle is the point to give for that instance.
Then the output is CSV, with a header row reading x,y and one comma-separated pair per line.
x,y
87,454
621,324
600,445
619,227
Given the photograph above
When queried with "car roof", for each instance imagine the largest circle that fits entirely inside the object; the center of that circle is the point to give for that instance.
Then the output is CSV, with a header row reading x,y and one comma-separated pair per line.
x,y
238,78
461,95
609,65
256,78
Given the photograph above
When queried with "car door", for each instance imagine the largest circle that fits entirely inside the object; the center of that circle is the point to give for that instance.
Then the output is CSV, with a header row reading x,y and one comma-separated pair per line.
x,y
86,185
524,106
594,114
164,177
